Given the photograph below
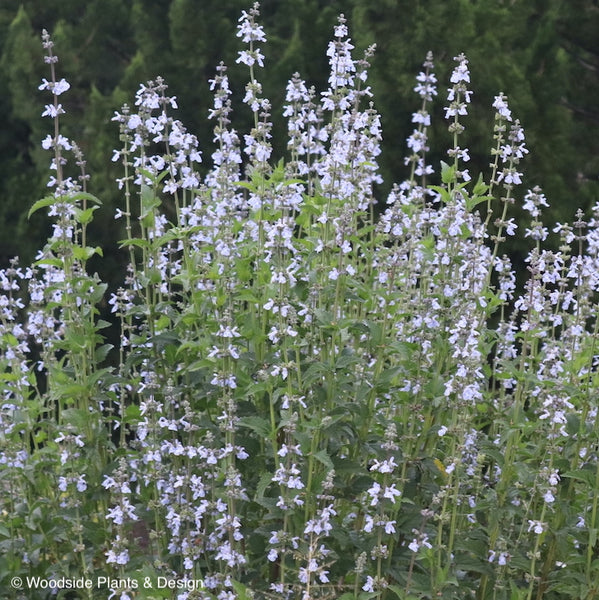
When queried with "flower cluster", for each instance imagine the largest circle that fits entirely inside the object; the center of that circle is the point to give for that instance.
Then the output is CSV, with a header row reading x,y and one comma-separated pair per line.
x,y
307,401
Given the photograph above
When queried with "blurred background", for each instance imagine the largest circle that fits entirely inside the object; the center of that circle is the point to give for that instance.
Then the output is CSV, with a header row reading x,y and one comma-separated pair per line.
x,y
544,54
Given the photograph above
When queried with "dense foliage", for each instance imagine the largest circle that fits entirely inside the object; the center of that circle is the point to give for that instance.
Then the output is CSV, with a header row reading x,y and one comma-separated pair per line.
x,y
312,399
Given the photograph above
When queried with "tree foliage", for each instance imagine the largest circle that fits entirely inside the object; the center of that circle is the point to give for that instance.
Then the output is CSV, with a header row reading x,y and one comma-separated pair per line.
x,y
543,54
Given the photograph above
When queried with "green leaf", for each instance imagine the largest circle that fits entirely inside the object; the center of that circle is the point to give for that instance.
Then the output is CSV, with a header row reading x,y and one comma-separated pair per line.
x,y
85,196
50,200
246,185
475,201
155,179
77,417
516,593
85,216
10,339
256,424
47,201
401,593
480,186
149,202
586,475
263,483
86,253
592,536
247,295
241,590
170,354
322,457
345,360
102,324
404,349
102,351
132,413
474,564
152,592
447,172
445,197
140,242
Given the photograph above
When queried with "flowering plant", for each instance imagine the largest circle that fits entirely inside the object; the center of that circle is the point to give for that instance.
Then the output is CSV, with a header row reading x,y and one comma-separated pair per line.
x,y
306,400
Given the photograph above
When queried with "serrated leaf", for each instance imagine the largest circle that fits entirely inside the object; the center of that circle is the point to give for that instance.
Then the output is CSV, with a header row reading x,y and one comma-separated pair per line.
x,y
345,360
585,475
475,201
263,483
474,564
102,351
240,590
256,424
85,216
322,457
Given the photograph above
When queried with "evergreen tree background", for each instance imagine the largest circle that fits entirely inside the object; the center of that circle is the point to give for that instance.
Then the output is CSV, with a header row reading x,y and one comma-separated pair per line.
x,y
544,54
